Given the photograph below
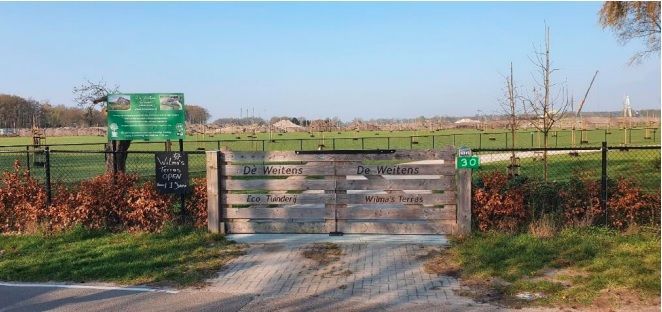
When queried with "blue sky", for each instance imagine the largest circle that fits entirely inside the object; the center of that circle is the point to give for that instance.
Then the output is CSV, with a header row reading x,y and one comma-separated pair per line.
x,y
365,60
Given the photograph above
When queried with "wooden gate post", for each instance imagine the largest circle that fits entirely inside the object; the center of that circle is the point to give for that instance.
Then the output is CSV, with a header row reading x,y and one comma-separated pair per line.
x,y
214,218
463,202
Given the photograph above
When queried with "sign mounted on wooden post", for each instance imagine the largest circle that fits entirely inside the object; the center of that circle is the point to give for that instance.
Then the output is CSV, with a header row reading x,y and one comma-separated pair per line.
x,y
466,160
146,116
171,172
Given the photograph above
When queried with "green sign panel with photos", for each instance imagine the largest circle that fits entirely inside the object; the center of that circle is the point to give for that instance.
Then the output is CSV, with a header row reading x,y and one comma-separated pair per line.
x,y
146,116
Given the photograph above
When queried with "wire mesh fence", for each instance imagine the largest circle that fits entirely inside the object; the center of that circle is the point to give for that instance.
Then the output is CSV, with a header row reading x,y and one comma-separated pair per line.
x,y
639,164
432,139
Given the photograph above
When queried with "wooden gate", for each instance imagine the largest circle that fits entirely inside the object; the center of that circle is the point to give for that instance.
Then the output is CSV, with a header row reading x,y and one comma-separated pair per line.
x,y
380,191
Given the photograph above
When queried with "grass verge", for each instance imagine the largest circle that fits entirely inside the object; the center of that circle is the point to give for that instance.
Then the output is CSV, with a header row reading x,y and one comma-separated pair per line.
x,y
576,267
176,257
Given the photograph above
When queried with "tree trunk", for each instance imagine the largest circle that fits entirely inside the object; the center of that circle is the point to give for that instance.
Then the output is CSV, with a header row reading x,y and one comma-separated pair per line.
x,y
120,155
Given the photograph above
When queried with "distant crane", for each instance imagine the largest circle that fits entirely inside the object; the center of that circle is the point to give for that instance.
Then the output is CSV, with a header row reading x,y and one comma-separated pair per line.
x,y
578,116
627,118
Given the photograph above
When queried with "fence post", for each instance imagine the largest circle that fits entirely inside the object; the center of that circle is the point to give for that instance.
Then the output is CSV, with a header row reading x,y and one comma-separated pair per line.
x,y
47,155
603,182
214,218
27,154
114,156
432,141
411,142
218,144
463,202
388,142
480,140
453,139
182,197
333,141
362,143
301,144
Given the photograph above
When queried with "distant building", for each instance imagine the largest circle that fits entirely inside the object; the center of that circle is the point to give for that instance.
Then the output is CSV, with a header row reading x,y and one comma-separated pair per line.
x,y
467,123
8,132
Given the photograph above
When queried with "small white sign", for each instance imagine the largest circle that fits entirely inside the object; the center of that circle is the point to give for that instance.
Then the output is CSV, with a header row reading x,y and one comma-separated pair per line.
x,y
464,151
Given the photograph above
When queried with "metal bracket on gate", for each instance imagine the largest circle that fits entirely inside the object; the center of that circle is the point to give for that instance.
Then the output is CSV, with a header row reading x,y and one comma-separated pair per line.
x,y
376,151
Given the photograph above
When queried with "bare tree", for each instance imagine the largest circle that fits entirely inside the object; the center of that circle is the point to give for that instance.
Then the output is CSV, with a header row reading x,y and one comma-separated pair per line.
x,y
91,94
634,20
548,101
509,106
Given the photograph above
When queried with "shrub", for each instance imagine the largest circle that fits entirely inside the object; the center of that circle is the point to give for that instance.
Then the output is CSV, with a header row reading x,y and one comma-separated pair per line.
x,y
581,202
629,206
147,210
101,202
22,200
496,206
196,203
104,202
542,198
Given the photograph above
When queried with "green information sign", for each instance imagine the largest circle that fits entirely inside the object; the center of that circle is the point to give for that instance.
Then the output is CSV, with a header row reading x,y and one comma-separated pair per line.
x,y
146,116
467,162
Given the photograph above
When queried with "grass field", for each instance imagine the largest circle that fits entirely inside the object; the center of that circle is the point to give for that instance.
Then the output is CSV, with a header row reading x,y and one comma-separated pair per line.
x,y
175,257
68,165
576,266
496,138
643,166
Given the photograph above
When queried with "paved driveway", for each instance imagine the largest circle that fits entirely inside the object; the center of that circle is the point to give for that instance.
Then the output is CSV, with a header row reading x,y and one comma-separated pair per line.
x,y
374,272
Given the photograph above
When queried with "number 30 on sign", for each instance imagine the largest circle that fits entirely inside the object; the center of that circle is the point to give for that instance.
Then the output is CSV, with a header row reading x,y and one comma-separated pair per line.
x,y
468,162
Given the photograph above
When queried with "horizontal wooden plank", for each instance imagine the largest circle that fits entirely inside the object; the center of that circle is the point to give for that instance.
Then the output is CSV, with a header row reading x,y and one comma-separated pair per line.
x,y
278,185
342,168
277,170
447,198
275,213
401,169
447,153
252,226
278,199
445,183
409,227
403,214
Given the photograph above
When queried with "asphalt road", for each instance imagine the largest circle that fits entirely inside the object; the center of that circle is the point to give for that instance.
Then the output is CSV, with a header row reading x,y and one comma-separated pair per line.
x,y
66,299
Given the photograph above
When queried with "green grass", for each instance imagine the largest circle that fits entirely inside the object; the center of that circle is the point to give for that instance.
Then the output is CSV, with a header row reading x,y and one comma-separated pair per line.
x,y
175,257
70,167
491,138
592,260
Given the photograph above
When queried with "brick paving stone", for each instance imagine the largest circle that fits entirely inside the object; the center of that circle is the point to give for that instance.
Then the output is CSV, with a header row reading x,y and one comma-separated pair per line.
x,y
378,271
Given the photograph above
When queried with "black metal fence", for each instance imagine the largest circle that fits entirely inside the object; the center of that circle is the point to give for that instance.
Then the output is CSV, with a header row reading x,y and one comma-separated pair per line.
x,y
638,163
383,140
70,167
641,164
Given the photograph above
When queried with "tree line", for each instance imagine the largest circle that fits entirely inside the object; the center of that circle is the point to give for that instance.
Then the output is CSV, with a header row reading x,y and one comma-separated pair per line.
x,y
19,112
